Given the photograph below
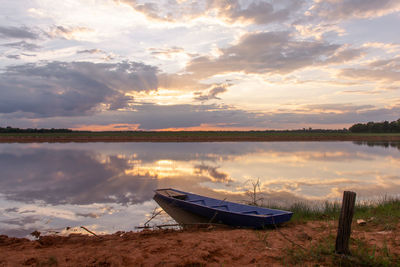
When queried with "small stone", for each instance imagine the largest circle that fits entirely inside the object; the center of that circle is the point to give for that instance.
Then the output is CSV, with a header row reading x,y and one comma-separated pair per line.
x,y
361,222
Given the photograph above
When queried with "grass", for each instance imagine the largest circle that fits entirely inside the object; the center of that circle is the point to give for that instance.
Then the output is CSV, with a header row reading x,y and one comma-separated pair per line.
x,y
303,212
382,215
382,212
322,253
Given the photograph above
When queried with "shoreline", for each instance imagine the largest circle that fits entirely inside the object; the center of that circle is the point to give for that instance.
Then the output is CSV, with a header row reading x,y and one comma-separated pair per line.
x,y
310,243
193,137
307,240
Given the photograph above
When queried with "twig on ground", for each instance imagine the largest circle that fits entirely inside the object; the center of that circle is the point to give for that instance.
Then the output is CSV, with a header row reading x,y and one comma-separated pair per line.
x,y
183,225
158,226
284,236
84,228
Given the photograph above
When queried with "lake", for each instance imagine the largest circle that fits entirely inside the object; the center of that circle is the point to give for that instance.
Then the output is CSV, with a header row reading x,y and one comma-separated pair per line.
x,y
108,187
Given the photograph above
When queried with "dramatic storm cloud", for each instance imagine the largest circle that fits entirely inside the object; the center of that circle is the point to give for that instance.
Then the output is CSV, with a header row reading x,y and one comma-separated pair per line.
x,y
70,89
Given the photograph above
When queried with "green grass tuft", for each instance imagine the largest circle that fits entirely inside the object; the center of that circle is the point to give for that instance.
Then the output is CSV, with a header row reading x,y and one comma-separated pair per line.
x,y
385,212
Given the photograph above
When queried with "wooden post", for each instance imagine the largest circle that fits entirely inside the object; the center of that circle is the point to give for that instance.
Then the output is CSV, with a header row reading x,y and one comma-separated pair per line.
x,y
344,228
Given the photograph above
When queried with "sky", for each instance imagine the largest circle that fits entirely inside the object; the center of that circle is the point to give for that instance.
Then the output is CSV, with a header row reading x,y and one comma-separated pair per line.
x,y
198,65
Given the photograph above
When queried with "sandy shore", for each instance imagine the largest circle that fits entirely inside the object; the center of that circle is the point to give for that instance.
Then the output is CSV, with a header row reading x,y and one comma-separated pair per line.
x,y
210,247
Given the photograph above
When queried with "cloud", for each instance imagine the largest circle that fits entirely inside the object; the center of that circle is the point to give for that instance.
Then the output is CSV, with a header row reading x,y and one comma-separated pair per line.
x,y
211,94
336,108
258,12
349,9
370,74
28,55
150,9
148,116
387,47
67,32
345,54
22,221
11,210
265,52
387,70
318,30
23,46
89,215
17,33
90,51
180,116
13,56
151,116
156,117
184,81
166,51
71,89
94,51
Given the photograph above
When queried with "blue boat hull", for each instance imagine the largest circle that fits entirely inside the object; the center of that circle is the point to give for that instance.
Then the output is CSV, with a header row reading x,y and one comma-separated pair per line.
x,y
187,208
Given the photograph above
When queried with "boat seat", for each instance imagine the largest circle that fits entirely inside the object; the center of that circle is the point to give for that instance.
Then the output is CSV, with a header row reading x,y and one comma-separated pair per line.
x,y
250,212
221,206
201,201
254,212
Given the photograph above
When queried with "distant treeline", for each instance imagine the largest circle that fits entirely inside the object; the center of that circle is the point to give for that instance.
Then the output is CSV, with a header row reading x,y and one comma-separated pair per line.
x,y
140,132
344,130
376,127
30,130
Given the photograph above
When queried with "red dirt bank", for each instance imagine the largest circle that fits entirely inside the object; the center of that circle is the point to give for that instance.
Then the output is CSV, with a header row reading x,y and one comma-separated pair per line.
x,y
210,247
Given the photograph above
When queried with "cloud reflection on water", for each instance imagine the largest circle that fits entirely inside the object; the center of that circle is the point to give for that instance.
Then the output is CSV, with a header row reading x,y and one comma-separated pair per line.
x,y
70,176
91,182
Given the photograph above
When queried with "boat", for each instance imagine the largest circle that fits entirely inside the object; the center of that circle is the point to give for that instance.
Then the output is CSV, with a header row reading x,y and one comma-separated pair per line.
x,y
188,209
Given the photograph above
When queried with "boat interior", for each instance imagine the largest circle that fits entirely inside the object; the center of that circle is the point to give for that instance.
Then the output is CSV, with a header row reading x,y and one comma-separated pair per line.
x,y
218,204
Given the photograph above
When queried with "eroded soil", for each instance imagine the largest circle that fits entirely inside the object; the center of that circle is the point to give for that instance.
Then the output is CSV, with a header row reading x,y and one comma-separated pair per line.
x,y
195,247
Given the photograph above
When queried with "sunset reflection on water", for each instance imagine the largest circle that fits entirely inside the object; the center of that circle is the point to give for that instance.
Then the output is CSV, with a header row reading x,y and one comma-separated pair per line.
x,y
109,186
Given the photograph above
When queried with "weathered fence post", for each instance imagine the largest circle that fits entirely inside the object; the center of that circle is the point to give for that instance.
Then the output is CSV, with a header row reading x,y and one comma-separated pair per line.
x,y
344,228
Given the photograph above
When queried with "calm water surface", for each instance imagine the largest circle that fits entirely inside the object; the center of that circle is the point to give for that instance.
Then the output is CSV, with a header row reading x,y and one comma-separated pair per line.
x,y
109,186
